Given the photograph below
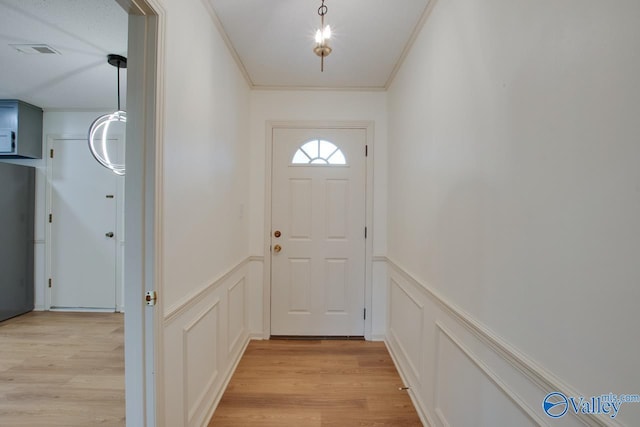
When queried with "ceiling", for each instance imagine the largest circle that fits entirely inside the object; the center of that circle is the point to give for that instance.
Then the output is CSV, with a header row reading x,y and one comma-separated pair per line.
x,y
272,41
84,32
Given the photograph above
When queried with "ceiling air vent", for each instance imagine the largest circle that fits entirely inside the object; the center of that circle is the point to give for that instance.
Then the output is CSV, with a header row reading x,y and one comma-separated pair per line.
x,y
34,49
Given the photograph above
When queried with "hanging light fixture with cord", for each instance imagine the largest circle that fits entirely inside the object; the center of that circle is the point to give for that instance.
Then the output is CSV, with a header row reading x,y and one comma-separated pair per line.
x,y
99,130
323,35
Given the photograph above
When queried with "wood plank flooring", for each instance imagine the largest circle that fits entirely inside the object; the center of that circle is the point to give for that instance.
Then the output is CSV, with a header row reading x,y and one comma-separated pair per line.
x,y
315,383
62,369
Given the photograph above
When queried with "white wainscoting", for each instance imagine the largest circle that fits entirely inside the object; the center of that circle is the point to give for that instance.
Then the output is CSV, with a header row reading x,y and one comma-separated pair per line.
x,y
206,334
459,373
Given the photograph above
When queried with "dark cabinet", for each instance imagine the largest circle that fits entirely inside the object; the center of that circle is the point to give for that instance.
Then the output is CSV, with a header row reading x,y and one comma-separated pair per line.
x,y
20,130
17,200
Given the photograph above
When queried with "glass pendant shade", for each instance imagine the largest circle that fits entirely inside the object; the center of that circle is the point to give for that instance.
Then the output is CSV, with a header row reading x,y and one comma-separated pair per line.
x,y
105,149
103,144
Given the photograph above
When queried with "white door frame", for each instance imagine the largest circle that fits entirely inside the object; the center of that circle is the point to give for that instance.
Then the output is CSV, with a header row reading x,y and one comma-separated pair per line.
x,y
368,126
49,243
143,192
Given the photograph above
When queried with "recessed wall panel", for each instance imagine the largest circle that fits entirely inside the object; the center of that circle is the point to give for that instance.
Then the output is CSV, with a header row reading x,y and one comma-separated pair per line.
x,y
300,285
336,285
337,203
200,342
236,313
301,208
459,378
406,325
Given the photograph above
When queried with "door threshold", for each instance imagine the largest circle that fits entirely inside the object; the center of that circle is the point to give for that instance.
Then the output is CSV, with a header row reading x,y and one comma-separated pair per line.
x,y
318,337
83,310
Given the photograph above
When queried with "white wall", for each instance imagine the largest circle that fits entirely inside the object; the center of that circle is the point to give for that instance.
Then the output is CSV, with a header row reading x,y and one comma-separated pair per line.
x,y
316,106
204,222
514,207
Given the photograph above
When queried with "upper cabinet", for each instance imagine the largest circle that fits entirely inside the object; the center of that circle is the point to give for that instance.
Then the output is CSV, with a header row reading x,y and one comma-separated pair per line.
x,y
20,130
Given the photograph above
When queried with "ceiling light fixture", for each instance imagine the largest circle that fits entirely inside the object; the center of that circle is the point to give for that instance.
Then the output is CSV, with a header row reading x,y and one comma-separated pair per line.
x,y
99,130
323,35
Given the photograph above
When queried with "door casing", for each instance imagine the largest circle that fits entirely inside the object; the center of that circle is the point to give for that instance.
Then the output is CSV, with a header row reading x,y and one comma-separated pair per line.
x,y
368,126
143,192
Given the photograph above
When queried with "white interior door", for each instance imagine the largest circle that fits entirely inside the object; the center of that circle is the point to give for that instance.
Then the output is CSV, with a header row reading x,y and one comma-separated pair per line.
x,y
318,232
83,207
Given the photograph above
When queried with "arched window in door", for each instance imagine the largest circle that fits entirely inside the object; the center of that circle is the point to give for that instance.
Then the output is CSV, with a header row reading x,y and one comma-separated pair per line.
x,y
319,152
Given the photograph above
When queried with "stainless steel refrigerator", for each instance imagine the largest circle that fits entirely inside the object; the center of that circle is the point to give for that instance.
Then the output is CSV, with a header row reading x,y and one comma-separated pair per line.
x,y
17,202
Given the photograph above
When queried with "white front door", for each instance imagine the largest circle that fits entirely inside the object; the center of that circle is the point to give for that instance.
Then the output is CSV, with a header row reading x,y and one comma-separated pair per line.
x,y
318,232
83,206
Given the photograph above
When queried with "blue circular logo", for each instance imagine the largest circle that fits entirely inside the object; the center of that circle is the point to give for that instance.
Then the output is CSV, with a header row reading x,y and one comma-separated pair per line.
x,y
555,404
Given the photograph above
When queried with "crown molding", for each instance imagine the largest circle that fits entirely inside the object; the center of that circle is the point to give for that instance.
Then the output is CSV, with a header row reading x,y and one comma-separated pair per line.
x,y
227,41
414,35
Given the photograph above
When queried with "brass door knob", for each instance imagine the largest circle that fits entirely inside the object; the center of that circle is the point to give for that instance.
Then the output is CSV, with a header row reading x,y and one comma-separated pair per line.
x,y
277,249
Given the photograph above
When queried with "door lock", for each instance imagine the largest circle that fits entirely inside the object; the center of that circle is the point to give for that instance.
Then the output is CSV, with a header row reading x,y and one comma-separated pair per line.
x,y
277,234
109,234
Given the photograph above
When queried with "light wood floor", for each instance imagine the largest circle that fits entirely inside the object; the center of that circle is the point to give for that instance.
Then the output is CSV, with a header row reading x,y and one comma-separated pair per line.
x,y
62,369
315,383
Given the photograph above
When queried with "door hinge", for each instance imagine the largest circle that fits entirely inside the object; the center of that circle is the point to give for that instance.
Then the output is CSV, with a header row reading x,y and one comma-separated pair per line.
x,y
365,314
151,298
366,150
51,153
365,232
50,218
50,281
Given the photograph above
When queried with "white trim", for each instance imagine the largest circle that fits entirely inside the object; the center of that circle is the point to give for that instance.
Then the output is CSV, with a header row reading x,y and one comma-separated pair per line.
x,y
320,88
82,310
243,332
266,270
414,35
535,373
190,411
424,416
47,226
227,42
415,370
143,208
157,178
190,300
495,379
227,380
368,289
368,127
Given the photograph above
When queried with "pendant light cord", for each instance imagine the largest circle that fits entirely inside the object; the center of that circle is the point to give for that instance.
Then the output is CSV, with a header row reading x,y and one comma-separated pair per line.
x,y
118,86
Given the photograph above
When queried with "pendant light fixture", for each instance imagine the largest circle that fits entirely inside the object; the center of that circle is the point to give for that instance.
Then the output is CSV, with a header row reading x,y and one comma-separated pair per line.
x,y
323,35
99,141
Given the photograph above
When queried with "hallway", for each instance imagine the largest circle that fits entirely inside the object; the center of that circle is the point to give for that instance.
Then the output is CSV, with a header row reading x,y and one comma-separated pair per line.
x,y
315,383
